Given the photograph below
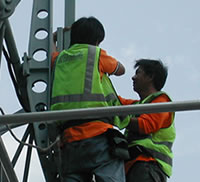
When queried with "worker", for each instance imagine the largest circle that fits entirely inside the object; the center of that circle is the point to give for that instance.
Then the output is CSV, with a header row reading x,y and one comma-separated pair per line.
x,y
150,136
80,81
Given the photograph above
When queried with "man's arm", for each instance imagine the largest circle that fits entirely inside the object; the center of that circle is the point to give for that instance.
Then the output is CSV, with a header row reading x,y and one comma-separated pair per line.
x,y
120,70
110,65
150,123
65,29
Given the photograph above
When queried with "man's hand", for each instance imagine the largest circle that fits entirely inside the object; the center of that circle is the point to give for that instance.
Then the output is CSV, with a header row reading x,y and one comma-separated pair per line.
x,y
133,125
65,29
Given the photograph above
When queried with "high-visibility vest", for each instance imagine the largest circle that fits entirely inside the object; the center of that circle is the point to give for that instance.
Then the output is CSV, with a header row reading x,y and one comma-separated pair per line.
x,y
158,144
77,82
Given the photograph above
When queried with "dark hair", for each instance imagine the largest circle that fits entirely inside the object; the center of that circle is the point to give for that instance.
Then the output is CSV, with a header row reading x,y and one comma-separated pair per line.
x,y
154,69
87,31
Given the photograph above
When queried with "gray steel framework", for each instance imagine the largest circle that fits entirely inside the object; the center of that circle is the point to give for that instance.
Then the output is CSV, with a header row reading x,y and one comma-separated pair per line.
x,y
36,69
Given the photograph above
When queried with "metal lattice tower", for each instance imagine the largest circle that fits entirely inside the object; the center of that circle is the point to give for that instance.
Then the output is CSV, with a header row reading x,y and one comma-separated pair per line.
x,y
36,69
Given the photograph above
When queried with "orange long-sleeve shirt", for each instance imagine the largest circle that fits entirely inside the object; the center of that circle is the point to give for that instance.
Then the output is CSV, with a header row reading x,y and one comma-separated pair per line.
x,y
149,123
107,64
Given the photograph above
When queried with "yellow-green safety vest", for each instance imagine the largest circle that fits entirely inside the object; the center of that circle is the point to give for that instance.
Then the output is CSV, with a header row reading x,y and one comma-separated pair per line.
x,y
77,83
158,144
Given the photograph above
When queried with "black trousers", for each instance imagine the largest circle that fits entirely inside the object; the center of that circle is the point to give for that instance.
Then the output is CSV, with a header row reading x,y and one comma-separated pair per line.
x,y
85,158
143,171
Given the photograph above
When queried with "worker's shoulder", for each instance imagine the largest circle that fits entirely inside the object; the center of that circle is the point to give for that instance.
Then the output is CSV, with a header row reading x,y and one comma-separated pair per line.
x,y
126,101
163,97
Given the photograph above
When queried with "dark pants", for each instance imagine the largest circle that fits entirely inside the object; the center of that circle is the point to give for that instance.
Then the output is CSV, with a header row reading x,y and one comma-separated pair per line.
x,y
145,172
83,159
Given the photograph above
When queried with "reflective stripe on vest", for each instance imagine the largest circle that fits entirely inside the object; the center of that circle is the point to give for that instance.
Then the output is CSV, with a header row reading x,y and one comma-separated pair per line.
x,y
166,143
160,156
87,95
82,97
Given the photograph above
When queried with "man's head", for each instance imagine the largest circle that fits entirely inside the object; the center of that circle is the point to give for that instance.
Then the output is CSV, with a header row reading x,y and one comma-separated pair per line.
x,y
87,31
149,71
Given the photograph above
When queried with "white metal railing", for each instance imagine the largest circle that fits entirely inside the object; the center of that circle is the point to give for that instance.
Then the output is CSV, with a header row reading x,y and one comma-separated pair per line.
x,y
99,111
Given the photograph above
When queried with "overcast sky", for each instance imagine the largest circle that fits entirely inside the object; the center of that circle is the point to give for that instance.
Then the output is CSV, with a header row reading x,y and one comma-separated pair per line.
x,y
167,30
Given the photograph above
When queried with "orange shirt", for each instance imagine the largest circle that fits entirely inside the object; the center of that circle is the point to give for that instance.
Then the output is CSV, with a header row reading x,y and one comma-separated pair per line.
x,y
149,123
107,64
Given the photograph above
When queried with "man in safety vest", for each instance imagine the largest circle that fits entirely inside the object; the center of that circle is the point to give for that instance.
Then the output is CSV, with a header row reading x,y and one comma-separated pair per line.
x,y
150,136
80,81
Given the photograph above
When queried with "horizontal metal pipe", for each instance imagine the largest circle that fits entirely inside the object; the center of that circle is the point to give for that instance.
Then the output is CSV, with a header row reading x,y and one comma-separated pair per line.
x,y
89,113
4,128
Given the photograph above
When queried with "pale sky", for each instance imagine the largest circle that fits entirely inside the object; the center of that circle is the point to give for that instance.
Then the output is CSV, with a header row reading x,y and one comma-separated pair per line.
x,y
167,30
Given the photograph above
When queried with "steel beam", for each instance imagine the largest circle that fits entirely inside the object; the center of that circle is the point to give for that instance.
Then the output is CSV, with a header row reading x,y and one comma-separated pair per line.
x,y
69,19
38,70
7,8
6,164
